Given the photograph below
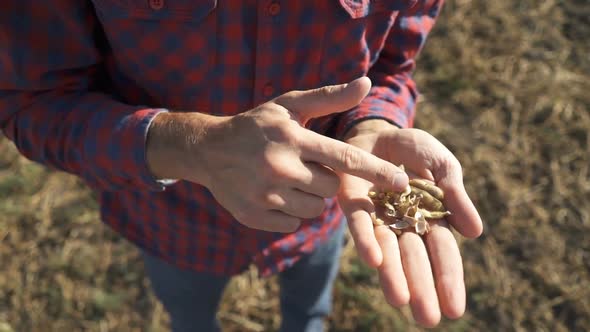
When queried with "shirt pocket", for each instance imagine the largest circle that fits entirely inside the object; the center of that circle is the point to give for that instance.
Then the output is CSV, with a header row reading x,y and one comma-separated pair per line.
x,y
355,36
162,52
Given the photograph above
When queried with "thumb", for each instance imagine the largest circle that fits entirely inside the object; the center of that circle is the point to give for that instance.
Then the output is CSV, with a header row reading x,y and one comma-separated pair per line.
x,y
308,104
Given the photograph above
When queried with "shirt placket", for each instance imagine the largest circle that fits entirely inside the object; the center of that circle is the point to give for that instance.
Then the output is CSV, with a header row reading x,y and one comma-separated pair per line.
x,y
268,54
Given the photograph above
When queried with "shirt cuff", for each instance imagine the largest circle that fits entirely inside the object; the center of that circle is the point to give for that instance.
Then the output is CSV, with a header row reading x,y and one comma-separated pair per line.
x,y
371,108
133,130
161,182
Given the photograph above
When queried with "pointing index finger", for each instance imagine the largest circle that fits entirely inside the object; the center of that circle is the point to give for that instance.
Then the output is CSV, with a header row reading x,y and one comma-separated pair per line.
x,y
352,160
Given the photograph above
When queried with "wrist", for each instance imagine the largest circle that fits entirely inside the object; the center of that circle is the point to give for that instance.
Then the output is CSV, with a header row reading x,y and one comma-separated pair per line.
x,y
174,145
369,126
161,148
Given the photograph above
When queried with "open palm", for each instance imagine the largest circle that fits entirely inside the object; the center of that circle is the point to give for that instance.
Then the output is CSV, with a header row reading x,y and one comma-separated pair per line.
x,y
426,272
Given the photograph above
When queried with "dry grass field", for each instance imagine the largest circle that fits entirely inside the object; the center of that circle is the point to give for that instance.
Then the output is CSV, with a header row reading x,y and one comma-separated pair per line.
x,y
506,85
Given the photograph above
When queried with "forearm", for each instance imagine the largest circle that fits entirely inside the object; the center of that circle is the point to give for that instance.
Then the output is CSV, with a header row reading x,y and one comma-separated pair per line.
x,y
394,94
87,134
52,103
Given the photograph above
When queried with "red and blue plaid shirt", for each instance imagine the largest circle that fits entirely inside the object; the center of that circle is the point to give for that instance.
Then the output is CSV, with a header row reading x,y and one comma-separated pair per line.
x,y
80,82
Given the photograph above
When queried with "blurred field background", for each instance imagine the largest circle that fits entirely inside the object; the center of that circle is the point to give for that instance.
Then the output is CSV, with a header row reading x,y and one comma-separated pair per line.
x,y
506,85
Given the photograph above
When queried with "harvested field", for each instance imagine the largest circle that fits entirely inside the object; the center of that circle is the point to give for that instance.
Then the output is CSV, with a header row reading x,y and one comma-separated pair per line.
x,y
506,86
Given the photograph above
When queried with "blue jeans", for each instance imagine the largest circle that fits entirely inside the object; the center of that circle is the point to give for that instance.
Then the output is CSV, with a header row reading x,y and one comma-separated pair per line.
x,y
192,298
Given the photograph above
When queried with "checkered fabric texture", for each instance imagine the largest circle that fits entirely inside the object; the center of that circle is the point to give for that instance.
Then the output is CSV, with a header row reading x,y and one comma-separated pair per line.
x,y
80,82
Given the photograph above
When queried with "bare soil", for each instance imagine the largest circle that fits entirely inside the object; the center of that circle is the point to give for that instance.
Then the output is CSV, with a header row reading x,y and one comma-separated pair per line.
x,y
506,86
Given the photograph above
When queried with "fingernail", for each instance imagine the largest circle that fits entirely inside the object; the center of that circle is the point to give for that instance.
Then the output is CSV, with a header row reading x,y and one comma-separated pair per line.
x,y
359,80
400,181
356,85
353,82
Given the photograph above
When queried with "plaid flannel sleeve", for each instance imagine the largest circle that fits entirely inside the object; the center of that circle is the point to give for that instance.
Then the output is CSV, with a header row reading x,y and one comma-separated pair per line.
x,y
52,104
394,93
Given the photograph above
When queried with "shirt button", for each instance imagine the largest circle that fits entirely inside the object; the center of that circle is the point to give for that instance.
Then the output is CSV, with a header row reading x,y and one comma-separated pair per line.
x,y
274,9
156,4
268,90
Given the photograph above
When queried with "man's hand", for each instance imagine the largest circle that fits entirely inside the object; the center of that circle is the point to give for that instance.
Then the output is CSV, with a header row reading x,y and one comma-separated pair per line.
x,y
262,166
427,271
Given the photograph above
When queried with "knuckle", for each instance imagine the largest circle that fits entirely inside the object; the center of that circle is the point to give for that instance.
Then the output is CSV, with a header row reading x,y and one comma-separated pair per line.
x,y
288,98
272,199
289,131
315,208
326,91
277,172
282,131
290,95
352,158
274,165
265,108
384,173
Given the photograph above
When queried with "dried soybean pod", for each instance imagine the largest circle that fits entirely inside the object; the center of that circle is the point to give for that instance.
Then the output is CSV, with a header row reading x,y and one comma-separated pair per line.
x,y
396,231
434,214
376,220
389,209
400,225
428,201
422,227
430,188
